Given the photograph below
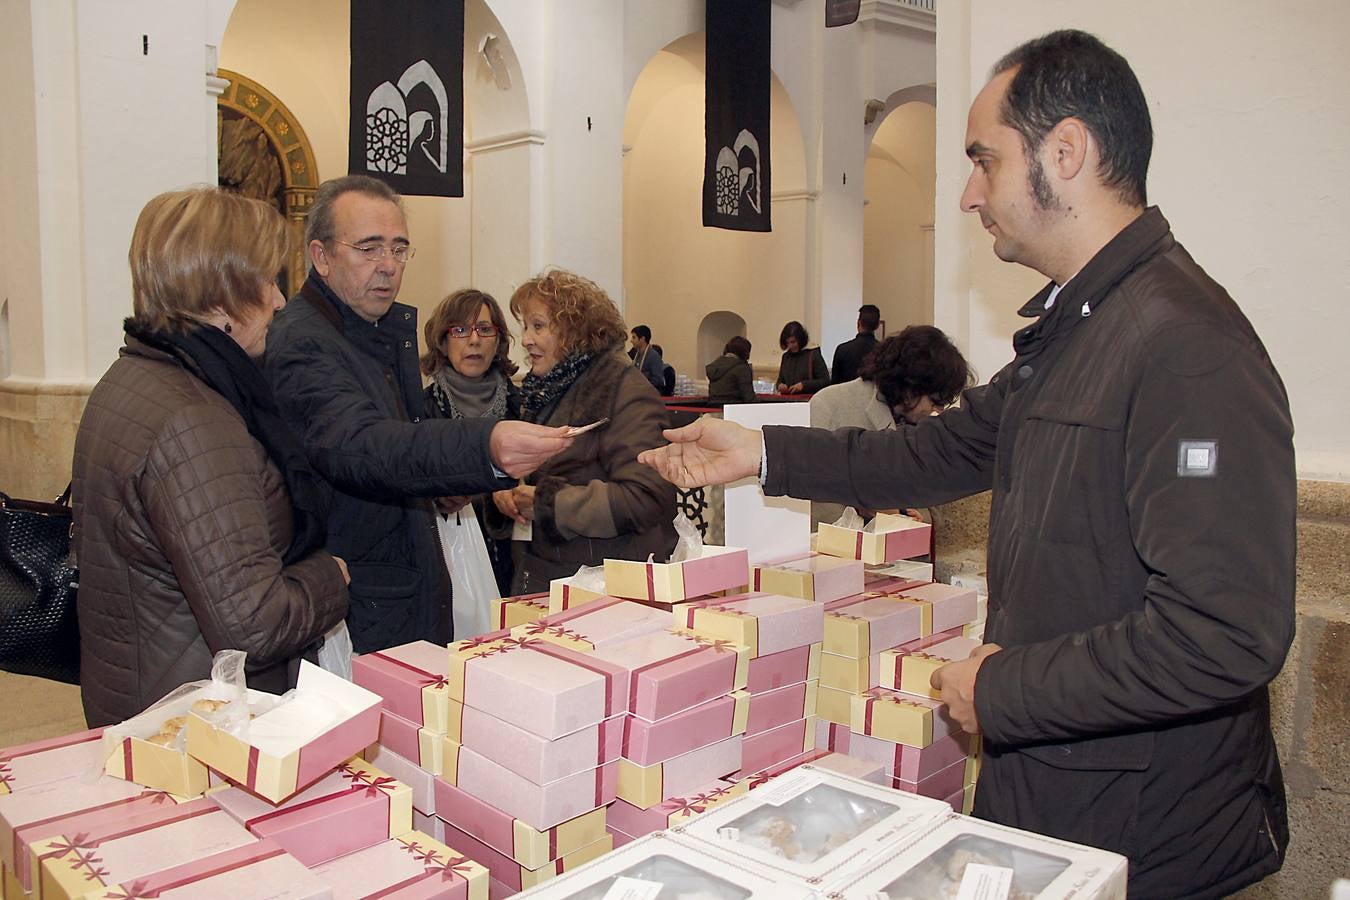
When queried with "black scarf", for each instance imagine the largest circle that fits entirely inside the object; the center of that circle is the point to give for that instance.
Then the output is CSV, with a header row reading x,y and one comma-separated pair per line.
x,y
227,370
539,392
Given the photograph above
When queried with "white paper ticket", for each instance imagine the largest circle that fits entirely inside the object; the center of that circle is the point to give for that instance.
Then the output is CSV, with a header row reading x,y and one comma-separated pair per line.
x,y
625,888
574,430
981,882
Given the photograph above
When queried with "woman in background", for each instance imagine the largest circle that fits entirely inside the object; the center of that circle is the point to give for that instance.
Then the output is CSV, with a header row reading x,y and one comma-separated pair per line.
x,y
468,361
199,525
594,500
803,370
730,378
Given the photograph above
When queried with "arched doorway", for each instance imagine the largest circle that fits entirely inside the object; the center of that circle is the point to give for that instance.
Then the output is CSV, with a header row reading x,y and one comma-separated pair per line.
x,y
713,333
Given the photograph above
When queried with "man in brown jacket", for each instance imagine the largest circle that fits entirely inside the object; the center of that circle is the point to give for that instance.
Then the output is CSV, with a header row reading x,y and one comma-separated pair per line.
x,y
1138,607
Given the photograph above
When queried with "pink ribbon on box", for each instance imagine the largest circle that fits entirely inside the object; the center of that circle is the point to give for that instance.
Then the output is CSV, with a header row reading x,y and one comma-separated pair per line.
x,y
126,757
433,867
756,585
364,779
857,549
641,670
369,789
146,889
584,610
6,774
21,833
651,583
538,628
690,806
430,679
55,744
550,650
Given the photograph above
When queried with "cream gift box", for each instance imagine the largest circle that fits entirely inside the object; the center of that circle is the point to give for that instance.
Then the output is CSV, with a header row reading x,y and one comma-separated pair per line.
x,y
671,671
781,706
914,764
541,806
257,871
532,757
412,866
508,612
834,705
861,626
411,681
566,593
55,798
637,822
665,864
301,737
765,623
933,863
515,876
910,667
353,808
419,745
646,786
535,685
529,847
54,759
844,673
76,865
714,569
646,743
785,667
150,749
606,621
421,782
886,538
771,747
902,718
809,823
819,578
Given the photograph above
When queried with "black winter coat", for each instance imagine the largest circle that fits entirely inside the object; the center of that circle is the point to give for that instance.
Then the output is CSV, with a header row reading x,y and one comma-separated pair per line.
x,y
849,356
1141,563
354,392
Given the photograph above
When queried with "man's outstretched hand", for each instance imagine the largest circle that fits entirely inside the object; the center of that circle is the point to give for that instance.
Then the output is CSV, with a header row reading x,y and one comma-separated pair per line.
x,y
708,451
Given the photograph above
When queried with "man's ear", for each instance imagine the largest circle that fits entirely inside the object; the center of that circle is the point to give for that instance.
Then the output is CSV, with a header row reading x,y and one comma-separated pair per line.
x,y
318,256
1068,146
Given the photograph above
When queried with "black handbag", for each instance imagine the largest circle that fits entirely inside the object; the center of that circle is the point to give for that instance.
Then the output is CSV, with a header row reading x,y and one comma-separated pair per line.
x,y
39,631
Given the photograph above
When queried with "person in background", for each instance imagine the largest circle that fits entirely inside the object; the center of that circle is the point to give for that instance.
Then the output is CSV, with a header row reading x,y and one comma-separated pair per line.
x,y
849,356
594,500
730,377
802,370
199,525
469,365
667,386
646,357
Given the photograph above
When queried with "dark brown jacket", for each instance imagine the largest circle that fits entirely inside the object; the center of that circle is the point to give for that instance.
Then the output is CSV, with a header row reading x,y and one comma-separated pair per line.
x,y
1141,563
181,521
595,500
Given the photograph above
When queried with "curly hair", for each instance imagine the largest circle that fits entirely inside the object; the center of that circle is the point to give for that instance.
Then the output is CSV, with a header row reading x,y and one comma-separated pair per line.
x,y
583,315
461,308
918,362
793,329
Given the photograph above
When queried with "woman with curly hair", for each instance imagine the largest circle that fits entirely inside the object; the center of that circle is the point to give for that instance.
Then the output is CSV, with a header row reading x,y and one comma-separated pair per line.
x,y
594,500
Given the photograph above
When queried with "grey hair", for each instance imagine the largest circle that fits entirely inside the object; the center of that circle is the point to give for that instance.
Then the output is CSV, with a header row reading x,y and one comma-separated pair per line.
x,y
319,223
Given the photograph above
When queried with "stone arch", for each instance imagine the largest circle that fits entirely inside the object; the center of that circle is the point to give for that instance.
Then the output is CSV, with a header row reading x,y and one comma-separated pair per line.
x,y
717,327
244,99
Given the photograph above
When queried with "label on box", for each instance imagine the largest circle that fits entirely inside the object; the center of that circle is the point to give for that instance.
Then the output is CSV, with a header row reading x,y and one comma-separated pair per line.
x,y
981,882
625,888
785,790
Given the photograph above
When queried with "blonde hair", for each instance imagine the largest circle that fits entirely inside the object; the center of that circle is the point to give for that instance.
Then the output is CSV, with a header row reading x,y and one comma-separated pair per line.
x,y
583,315
461,308
203,251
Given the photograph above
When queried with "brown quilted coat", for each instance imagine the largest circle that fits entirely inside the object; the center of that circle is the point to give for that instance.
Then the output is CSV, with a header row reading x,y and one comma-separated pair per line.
x,y
180,524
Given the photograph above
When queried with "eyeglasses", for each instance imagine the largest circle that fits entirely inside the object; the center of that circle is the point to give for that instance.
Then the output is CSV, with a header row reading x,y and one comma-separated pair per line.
x,y
376,252
482,329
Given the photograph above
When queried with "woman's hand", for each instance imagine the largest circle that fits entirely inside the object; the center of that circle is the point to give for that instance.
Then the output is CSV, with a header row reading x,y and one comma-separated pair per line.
x,y
506,502
523,495
794,388
342,567
781,388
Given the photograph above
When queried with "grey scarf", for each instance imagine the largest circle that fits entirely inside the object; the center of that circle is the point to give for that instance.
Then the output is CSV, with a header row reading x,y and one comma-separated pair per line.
x,y
459,397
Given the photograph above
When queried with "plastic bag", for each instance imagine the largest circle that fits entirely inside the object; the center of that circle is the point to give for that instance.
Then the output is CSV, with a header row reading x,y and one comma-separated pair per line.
x,y
849,519
690,543
471,574
335,653
590,578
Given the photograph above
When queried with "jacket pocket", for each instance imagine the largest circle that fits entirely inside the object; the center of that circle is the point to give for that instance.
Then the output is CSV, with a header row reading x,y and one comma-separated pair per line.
x,y
1067,480
384,601
1115,753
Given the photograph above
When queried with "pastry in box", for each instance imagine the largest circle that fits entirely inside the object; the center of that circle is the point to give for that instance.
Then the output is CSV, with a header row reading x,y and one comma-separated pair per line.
x,y
673,811
646,786
22,813
541,806
353,808
291,741
258,871
903,718
646,743
530,847
537,685
413,743
517,877
910,667
785,667
532,757
670,671
412,866
411,679
809,823
508,612
765,623
779,707
871,622
886,538
768,748
606,621
666,865
53,759
934,864
713,569
817,577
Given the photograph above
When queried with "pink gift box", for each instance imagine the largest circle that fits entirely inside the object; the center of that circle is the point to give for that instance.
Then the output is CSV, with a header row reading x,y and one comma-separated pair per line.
x,y
781,706
914,764
822,578
641,822
766,623
939,785
53,799
865,625
527,846
782,743
253,870
422,782
953,606
904,718
646,786
715,569
620,836
671,671
499,891
514,876
646,743
833,736
541,806
890,537
598,624
910,667
411,681
535,685
413,743
784,667
538,759
852,766
765,775
414,866
55,759
355,807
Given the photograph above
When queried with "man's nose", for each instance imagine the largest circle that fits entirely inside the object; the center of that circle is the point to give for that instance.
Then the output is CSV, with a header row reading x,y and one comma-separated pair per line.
x,y
971,198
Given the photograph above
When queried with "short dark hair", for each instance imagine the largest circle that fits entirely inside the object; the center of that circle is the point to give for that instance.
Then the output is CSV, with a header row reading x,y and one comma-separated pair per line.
x,y
920,361
738,346
1071,73
793,329
869,317
319,222
643,332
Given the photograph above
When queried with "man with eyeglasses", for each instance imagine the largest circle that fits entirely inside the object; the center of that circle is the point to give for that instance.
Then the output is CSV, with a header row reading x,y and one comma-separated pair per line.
x,y
343,361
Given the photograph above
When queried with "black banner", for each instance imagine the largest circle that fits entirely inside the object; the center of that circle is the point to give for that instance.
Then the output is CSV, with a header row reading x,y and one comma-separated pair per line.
x,y
841,12
407,95
736,180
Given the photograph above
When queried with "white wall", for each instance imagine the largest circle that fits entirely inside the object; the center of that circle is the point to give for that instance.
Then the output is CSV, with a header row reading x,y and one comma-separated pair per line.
x,y
1252,135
